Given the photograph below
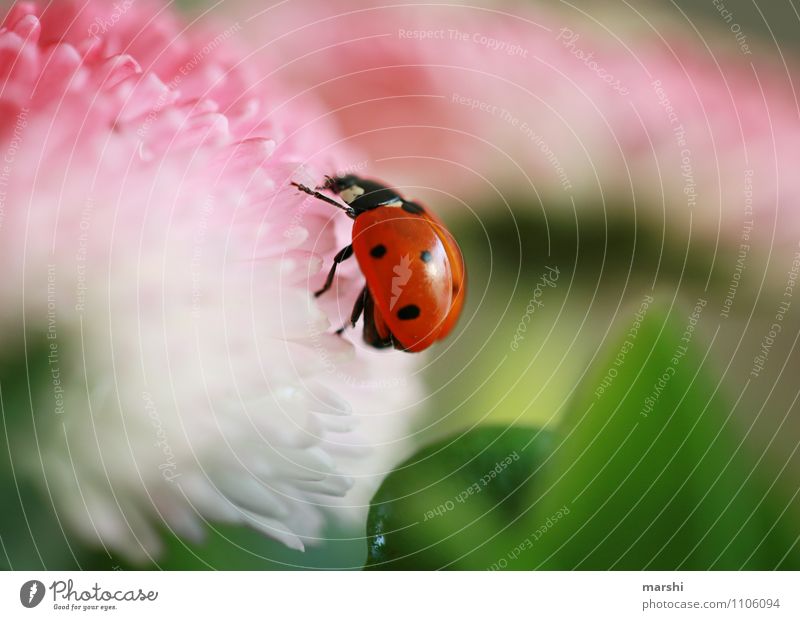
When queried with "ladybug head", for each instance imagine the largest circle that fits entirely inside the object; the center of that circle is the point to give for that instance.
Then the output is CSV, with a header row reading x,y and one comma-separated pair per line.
x,y
362,194
338,184
349,187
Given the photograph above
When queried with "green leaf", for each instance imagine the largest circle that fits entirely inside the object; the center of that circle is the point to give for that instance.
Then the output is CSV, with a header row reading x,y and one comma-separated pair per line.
x,y
652,467
232,547
31,535
455,503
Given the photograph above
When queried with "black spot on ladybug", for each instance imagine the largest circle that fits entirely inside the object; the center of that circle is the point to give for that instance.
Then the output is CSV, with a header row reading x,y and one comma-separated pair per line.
x,y
378,251
412,207
406,313
426,256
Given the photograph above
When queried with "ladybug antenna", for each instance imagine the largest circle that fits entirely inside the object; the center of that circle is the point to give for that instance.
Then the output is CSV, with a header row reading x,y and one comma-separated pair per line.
x,y
311,192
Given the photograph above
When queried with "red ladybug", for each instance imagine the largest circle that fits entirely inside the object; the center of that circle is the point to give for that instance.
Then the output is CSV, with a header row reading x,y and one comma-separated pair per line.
x,y
413,266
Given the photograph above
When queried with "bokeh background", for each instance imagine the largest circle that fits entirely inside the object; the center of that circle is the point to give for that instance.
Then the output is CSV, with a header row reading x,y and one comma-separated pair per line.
x,y
581,299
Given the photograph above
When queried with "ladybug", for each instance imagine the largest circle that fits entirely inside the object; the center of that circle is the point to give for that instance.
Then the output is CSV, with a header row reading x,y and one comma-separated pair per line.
x,y
414,270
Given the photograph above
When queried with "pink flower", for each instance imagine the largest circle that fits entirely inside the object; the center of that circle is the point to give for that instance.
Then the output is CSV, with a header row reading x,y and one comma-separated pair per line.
x,y
525,101
147,229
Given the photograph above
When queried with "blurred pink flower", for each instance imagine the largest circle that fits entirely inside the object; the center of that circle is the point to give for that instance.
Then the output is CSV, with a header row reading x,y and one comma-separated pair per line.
x,y
147,228
530,102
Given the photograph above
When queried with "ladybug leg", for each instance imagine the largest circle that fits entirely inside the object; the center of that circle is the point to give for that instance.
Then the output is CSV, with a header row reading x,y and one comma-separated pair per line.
x,y
343,254
311,192
358,309
372,335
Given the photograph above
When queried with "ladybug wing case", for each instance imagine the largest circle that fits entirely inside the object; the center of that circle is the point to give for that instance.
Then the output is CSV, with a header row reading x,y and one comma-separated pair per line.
x,y
409,277
459,273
